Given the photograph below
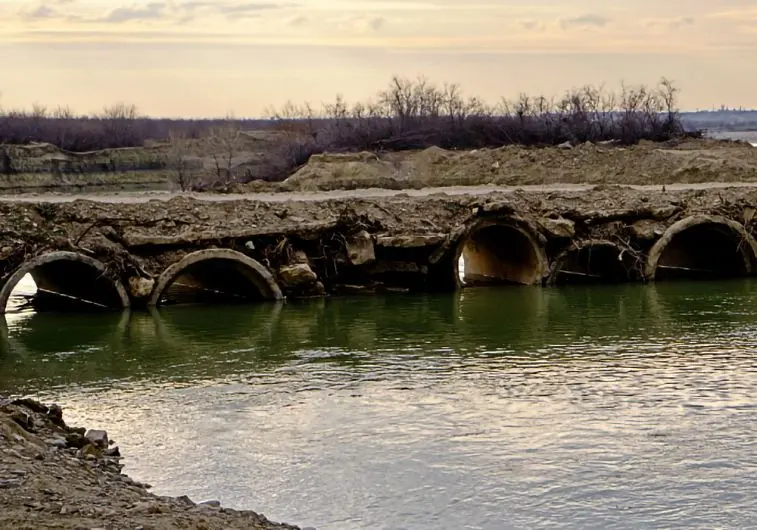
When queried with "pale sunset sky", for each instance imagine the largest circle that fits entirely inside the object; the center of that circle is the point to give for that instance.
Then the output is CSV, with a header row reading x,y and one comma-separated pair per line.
x,y
210,57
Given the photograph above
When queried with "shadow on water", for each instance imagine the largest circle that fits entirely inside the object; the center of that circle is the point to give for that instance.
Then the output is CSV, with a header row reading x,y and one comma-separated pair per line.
x,y
199,343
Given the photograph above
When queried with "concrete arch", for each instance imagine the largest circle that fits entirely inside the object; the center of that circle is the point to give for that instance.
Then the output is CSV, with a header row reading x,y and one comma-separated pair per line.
x,y
218,274
69,277
702,246
499,251
592,261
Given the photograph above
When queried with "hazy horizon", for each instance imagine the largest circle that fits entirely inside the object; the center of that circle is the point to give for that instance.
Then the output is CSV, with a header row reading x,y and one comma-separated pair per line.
x,y
198,58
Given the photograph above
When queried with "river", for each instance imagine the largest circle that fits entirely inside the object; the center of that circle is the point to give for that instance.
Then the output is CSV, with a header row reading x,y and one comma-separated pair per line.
x,y
602,407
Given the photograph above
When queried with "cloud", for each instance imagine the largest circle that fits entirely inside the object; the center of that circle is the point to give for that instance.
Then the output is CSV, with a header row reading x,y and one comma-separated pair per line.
x,y
532,24
134,13
184,12
248,8
584,22
670,23
376,23
299,20
40,13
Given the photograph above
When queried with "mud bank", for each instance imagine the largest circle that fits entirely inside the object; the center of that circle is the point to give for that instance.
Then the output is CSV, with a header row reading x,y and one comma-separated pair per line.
x,y
161,252
55,476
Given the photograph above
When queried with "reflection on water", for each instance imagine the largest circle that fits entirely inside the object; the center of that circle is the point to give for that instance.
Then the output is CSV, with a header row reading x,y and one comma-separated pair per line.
x,y
604,407
17,303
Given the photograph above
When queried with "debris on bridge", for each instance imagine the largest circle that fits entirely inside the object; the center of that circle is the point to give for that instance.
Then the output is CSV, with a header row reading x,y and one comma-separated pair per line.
x,y
145,253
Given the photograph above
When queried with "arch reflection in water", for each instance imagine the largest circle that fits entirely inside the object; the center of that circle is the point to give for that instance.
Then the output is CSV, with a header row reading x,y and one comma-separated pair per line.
x,y
241,342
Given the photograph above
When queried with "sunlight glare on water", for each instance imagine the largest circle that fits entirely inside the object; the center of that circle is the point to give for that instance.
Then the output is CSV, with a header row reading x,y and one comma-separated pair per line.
x,y
15,310
602,407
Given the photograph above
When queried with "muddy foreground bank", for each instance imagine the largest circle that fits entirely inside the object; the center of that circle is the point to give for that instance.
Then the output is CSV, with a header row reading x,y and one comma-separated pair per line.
x,y
56,476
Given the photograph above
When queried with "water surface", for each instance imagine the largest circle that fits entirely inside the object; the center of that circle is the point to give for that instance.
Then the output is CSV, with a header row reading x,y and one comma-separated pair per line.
x,y
601,407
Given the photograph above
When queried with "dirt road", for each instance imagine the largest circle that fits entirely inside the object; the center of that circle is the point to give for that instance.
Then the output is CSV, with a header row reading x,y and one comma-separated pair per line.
x,y
138,197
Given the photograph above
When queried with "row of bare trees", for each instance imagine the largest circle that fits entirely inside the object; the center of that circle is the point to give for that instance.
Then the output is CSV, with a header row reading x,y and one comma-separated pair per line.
x,y
408,114
414,114
118,125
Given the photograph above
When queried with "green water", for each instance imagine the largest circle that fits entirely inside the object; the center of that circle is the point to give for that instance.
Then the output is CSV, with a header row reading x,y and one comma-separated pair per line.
x,y
602,407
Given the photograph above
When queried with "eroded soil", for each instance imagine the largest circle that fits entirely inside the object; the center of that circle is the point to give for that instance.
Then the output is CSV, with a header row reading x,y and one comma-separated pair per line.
x,y
54,476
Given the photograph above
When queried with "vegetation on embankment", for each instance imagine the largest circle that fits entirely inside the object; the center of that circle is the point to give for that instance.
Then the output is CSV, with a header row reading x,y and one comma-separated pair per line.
x,y
408,115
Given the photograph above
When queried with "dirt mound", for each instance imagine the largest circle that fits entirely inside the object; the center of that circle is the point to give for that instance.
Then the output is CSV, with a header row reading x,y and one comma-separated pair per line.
x,y
647,163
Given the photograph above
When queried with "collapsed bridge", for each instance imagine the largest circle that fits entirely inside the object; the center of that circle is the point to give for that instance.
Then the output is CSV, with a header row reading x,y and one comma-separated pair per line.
x,y
93,255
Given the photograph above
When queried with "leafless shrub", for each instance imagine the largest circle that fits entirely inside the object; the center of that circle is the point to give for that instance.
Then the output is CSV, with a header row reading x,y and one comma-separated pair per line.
x,y
176,159
224,142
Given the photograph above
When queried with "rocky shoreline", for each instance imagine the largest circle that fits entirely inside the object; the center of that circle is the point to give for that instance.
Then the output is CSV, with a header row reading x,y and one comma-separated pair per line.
x,y
56,476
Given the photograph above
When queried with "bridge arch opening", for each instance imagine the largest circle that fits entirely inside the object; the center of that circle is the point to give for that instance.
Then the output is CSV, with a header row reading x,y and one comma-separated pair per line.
x,y
592,262
499,253
63,281
702,247
215,276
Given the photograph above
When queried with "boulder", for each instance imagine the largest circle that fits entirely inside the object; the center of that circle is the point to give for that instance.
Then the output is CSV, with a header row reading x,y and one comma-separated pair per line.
x,y
297,275
647,230
559,228
360,248
97,438
140,287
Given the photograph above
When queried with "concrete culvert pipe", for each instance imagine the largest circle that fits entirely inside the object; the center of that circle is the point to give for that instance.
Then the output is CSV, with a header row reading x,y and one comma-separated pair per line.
x,y
702,247
66,281
592,262
215,276
499,253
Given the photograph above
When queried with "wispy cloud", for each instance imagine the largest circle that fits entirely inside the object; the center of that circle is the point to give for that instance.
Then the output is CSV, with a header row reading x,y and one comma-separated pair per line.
x,y
151,11
670,23
584,21
41,12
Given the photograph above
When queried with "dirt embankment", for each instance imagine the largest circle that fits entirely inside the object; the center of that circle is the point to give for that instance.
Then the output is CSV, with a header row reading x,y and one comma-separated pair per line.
x,y
55,476
106,227
689,161
42,166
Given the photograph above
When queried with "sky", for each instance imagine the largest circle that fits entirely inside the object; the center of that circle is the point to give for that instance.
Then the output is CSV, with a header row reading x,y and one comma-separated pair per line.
x,y
196,58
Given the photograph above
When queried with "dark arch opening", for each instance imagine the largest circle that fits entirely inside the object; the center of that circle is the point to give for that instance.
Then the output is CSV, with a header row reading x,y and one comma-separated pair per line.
x,y
67,281
592,263
704,251
499,254
213,277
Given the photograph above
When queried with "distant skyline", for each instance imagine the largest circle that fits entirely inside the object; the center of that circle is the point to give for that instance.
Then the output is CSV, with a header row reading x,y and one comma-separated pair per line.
x,y
195,58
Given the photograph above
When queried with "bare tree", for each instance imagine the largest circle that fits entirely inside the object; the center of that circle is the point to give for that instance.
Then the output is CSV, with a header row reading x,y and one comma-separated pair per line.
x,y
224,143
176,158
119,123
